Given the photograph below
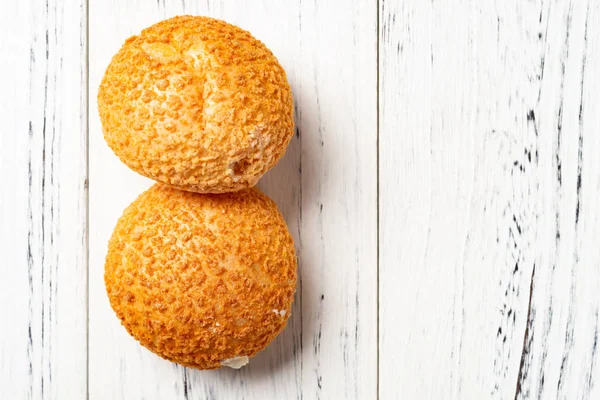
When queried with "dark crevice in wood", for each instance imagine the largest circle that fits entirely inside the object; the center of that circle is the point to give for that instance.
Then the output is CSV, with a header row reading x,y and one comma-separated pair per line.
x,y
187,386
379,13
527,339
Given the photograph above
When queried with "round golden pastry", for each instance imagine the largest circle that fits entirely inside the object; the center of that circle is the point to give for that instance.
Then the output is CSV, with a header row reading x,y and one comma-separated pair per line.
x,y
198,104
199,279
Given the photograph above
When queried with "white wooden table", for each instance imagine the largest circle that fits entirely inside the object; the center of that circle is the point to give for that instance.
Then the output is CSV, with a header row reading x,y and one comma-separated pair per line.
x,y
443,189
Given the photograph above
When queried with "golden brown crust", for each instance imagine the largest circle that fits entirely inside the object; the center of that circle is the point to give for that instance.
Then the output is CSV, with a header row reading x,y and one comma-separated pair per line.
x,y
196,103
199,279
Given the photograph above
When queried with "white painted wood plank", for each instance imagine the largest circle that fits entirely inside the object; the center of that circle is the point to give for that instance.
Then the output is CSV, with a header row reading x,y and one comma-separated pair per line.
x,y
325,186
119,367
43,288
560,350
337,121
487,276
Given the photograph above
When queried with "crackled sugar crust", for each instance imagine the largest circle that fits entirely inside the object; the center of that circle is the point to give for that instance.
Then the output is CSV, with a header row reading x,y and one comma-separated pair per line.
x,y
200,279
196,103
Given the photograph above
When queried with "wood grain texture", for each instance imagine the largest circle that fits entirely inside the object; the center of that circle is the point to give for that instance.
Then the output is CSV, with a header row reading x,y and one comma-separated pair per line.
x,y
43,201
481,222
325,187
488,207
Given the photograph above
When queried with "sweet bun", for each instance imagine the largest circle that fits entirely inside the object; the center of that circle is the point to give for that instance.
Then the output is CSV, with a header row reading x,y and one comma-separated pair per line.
x,y
198,104
202,280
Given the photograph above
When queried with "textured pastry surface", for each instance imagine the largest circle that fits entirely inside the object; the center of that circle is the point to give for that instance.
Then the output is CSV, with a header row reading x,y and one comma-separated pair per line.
x,y
200,279
197,103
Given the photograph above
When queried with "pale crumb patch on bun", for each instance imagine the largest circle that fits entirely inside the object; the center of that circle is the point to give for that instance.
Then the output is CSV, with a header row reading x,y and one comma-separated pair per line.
x,y
235,362
281,313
